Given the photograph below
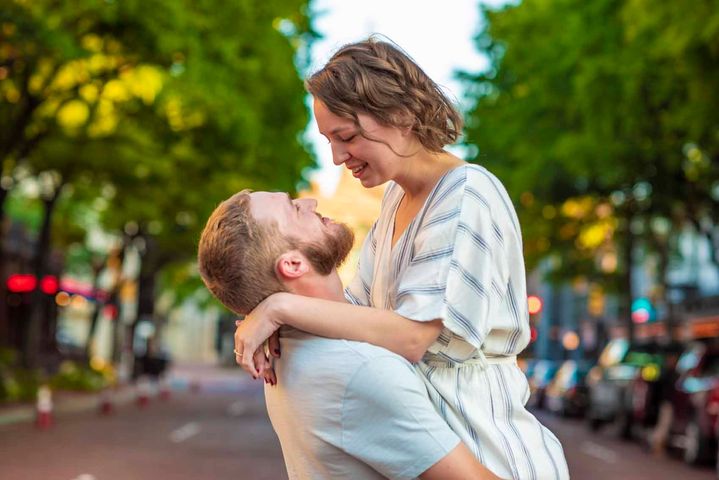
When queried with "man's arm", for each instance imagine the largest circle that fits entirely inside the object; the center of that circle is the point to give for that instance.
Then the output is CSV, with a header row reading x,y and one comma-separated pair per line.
x,y
389,423
459,464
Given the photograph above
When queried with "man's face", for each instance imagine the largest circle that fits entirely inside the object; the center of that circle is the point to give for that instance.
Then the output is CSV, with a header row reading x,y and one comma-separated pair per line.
x,y
324,242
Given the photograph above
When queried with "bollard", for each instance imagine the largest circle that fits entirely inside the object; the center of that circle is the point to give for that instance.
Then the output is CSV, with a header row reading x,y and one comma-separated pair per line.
x,y
44,419
106,406
164,389
143,392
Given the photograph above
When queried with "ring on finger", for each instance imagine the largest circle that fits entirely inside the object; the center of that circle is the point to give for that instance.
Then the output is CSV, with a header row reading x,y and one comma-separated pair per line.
x,y
239,354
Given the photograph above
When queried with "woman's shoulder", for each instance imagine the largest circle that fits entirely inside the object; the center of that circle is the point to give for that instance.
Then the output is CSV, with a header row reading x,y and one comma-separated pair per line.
x,y
468,179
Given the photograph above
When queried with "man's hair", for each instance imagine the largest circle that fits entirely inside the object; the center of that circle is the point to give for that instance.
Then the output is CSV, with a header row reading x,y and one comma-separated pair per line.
x,y
377,78
236,255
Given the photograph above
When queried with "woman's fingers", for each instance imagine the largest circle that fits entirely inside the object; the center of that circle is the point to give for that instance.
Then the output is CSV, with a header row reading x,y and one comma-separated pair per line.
x,y
269,376
274,344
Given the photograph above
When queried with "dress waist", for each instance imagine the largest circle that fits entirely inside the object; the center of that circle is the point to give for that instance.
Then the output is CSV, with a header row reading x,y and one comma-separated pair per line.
x,y
444,361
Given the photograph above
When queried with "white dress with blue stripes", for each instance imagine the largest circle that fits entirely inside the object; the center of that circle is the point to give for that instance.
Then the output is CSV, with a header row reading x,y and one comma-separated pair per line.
x,y
460,260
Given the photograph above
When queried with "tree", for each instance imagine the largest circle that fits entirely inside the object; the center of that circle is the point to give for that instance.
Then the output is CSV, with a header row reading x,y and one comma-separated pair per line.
x,y
584,105
166,106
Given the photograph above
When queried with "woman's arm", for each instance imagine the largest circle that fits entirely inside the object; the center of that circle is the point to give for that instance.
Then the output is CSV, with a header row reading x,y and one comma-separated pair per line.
x,y
331,319
383,328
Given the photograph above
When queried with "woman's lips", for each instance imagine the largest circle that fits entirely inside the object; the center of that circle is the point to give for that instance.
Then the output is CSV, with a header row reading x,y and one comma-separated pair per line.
x,y
358,170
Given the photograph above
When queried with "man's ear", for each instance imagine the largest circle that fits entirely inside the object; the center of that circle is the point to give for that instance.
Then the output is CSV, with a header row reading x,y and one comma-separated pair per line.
x,y
291,265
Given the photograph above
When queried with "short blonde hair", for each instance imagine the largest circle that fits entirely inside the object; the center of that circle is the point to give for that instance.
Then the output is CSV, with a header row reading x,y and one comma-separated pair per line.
x,y
236,255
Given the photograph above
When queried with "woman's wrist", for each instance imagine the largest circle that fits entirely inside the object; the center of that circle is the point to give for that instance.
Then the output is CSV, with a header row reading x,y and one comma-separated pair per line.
x,y
280,306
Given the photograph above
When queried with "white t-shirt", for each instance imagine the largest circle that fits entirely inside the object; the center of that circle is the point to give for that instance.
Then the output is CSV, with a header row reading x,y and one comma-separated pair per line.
x,y
350,410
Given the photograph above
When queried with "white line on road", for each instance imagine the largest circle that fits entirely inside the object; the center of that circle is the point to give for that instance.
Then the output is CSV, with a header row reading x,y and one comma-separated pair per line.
x,y
185,432
598,451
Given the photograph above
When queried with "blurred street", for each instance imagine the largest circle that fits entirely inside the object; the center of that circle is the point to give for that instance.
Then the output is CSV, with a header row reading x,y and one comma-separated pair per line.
x,y
219,432
601,456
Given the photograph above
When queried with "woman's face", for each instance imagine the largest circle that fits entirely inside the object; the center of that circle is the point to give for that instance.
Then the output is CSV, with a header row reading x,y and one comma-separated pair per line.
x,y
370,161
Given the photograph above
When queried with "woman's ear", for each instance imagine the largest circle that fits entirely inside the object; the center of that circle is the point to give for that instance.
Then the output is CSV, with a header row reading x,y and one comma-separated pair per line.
x,y
291,265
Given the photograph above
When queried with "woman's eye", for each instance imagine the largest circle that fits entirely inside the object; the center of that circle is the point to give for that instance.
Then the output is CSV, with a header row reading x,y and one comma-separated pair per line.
x,y
348,139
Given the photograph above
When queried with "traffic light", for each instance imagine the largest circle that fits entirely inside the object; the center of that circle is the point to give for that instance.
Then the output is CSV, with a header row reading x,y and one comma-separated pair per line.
x,y
535,304
643,311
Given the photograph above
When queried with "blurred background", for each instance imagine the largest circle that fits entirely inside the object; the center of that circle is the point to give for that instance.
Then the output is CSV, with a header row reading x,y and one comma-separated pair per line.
x,y
123,123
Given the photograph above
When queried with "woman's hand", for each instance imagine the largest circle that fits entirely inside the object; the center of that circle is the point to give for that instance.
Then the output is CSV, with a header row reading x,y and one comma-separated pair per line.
x,y
251,334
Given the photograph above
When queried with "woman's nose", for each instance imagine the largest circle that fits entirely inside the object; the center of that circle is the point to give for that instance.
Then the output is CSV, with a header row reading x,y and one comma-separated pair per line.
x,y
339,155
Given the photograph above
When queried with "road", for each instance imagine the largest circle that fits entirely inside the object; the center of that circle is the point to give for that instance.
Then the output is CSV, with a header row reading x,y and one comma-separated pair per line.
x,y
602,456
222,432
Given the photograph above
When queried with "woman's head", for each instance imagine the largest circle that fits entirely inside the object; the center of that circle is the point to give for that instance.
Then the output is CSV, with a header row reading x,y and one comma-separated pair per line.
x,y
376,78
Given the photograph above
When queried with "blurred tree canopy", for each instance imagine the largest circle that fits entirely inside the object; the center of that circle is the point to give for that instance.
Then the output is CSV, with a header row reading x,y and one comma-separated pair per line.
x,y
150,112
601,118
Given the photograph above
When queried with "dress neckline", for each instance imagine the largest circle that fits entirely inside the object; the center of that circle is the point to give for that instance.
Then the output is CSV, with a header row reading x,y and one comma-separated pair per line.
x,y
410,225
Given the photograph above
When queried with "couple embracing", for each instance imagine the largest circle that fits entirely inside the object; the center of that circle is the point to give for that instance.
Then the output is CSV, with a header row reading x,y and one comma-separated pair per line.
x,y
410,371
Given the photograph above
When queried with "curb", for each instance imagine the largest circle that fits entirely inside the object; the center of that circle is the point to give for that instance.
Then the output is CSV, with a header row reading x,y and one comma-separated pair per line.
x,y
65,404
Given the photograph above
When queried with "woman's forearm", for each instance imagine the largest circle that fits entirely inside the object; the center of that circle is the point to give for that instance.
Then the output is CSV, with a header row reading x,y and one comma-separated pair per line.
x,y
383,328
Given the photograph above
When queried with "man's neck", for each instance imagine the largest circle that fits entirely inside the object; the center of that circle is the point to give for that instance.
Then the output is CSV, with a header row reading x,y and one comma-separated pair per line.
x,y
328,287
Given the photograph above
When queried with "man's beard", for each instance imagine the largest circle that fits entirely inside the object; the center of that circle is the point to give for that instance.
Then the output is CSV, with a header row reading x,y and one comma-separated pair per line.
x,y
331,252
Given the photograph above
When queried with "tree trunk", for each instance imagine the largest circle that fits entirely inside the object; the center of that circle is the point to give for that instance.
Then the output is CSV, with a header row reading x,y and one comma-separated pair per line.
x,y
31,346
662,249
97,268
628,254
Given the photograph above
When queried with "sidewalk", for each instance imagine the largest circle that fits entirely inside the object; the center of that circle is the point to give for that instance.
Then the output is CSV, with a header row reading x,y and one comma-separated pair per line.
x,y
199,377
64,403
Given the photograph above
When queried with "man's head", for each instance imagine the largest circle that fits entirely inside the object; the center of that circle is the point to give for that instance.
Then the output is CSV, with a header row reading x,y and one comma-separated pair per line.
x,y
259,243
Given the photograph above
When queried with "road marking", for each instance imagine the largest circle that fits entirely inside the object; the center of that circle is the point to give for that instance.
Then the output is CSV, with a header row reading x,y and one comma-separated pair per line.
x,y
236,409
598,451
186,431
85,476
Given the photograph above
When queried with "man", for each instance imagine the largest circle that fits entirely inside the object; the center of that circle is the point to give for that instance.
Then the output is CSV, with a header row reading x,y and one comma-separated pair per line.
x,y
341,409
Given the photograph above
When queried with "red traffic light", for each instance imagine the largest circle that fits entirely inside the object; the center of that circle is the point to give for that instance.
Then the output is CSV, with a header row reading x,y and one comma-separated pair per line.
x,y
535,304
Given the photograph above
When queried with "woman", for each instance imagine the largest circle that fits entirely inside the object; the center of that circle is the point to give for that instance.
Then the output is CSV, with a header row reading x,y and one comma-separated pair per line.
x,y
441,277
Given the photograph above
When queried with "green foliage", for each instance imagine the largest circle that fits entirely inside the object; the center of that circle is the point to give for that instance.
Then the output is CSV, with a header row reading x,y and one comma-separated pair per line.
x,y
606,102
16,384
151,112
73,376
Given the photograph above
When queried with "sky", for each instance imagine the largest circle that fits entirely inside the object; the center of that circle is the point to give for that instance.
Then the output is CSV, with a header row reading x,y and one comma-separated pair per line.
x,y
437,35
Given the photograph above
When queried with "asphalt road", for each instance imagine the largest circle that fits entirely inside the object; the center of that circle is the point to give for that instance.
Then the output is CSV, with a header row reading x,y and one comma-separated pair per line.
x,y
222,432
602,456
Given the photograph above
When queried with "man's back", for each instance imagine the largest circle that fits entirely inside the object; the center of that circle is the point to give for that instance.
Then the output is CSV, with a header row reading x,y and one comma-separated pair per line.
x,y
350,410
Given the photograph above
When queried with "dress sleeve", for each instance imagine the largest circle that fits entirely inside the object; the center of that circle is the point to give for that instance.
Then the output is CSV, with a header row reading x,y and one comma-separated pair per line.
x,y
457,270
358,291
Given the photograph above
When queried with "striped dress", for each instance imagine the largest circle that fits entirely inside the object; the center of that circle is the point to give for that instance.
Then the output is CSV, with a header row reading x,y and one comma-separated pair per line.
x,y
460,260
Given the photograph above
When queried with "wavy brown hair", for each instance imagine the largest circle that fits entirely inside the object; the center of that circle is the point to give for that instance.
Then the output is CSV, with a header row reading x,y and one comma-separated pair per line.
x,y
377,78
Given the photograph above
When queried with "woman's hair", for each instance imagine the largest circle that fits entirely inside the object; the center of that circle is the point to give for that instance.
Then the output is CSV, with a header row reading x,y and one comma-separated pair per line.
x,y
377,78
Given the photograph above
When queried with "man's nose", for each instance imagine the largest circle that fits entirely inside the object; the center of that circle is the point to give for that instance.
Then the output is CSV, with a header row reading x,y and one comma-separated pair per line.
x,y
308,203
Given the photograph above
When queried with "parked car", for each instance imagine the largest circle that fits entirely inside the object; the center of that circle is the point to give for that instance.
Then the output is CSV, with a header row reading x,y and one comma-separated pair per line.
x,y
611,382
696,403
544,371
567,393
